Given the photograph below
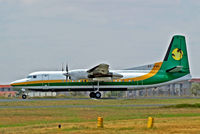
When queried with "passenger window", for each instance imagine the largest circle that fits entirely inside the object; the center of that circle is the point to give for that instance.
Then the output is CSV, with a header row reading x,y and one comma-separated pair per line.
x,y
34,76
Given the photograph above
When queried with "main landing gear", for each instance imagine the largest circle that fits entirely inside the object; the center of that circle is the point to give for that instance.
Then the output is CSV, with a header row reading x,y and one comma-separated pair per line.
x,y
96,95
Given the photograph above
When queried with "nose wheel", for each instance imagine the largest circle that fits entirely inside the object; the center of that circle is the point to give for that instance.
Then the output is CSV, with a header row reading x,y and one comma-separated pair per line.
x,y
24,96
96,95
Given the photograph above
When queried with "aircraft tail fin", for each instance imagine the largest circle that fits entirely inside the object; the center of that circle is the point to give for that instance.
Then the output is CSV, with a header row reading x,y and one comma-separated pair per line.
x,y
176,58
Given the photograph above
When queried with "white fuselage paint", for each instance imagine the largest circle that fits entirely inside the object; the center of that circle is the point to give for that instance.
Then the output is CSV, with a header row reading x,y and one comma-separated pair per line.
x,y
82,74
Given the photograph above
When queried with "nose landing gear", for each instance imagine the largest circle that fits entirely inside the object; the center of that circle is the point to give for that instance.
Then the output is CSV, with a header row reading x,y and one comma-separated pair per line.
x,y
24,96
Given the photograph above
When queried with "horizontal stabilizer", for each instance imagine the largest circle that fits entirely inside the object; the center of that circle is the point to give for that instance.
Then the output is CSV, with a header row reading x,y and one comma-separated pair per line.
x,y
175,69
144,67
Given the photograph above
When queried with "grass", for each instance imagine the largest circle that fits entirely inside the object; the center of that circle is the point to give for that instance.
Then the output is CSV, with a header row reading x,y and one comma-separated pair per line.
x,y
196,105
183,117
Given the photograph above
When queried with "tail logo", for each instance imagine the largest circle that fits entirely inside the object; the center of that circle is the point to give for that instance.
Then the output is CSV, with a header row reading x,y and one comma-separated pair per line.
x,y
177,54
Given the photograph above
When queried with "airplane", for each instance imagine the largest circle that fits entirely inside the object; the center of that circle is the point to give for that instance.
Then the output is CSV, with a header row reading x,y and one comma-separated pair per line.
x,y
174,68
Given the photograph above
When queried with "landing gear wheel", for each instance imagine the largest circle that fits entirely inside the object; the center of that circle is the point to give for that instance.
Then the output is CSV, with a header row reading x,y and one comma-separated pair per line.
x,y
98,95
92,95
24,96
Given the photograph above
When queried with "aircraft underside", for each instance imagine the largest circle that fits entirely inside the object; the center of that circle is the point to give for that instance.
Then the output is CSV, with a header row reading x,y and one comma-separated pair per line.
x,y
94,92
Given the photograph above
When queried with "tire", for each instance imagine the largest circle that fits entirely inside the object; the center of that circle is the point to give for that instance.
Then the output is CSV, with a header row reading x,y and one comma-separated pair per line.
x,y
24,96
92,95
98,95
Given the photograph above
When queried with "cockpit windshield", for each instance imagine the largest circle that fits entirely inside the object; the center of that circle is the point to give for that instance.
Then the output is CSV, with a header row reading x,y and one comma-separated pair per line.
x,y
29,76
32,76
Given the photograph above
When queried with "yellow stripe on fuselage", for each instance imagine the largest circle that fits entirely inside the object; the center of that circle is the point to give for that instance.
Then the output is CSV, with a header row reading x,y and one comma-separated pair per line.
x,y
47,81
39,81
154,71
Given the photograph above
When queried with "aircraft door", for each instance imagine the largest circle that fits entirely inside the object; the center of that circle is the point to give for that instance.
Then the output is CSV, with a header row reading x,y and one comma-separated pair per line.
x,y
45,79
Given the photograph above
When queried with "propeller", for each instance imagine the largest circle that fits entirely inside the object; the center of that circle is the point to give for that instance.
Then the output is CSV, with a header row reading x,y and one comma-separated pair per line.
x,y
67,73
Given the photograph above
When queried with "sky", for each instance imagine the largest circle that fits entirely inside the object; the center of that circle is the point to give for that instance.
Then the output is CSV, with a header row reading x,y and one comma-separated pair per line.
x,y
38,35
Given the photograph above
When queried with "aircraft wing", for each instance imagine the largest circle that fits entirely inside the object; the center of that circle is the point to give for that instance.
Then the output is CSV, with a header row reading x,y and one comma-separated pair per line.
x,y
101,70
101,73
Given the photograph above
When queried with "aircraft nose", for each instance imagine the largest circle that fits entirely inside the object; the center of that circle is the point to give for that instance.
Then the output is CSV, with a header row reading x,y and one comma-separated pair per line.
x,y
17,82
13,83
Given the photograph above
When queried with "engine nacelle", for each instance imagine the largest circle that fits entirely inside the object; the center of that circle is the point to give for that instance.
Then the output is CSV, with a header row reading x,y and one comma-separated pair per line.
x,y
116,75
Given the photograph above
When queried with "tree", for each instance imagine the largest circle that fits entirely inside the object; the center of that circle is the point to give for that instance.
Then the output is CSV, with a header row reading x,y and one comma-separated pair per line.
x,y
195,88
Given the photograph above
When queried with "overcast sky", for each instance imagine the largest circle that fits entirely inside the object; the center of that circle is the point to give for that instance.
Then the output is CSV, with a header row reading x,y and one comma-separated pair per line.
x,y
37,35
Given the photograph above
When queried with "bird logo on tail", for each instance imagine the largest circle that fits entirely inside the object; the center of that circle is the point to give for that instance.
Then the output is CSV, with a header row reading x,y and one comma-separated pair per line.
x,y
177,54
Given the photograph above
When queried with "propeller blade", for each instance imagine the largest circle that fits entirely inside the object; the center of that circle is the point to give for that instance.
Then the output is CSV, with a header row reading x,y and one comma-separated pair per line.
x,y
62,68
67,72
67,69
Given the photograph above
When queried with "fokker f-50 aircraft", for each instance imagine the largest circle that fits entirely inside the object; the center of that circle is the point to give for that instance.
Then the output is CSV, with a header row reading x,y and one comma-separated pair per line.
x,y
174,68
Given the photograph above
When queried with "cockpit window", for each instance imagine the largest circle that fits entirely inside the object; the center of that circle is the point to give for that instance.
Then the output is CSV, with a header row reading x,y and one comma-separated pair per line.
x,y
32,76
29,76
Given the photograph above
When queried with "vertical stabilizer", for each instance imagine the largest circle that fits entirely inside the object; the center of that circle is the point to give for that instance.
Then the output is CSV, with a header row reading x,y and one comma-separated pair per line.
x,y
176,56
